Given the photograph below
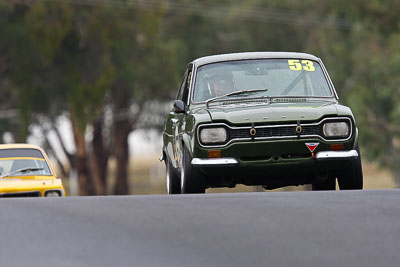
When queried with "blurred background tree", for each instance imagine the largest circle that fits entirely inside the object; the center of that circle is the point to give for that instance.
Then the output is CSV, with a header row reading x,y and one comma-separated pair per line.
x,y
109,65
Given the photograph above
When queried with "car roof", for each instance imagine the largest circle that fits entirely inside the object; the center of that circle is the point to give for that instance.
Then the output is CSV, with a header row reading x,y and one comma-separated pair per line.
x,y
251,55
22,146
11,146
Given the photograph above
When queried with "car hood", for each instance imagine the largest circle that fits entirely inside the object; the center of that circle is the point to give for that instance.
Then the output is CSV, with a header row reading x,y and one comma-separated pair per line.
x,y
274,112
8,185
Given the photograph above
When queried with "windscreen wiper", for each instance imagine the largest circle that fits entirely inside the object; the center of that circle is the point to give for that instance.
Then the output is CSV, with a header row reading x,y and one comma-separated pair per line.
x,y
298,99
26,169
245,91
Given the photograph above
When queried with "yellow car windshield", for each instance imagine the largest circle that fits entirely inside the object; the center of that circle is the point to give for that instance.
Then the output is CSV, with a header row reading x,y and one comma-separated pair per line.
x,y
11,167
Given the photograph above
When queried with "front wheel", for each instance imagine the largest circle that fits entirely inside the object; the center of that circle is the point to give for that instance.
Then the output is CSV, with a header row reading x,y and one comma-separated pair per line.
x,y
351,178
329,183
173,179
192,181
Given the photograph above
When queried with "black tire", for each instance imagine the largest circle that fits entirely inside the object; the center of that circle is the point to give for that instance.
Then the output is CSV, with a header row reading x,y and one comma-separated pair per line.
x,y
327,184
351,178
173,179
192,182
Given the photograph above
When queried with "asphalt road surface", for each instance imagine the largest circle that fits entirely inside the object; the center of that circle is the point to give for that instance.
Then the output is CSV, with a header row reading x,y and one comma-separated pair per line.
x,y
358,228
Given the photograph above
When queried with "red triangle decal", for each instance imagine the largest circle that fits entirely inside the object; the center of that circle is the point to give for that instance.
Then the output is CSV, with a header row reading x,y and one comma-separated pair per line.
x,y
312,146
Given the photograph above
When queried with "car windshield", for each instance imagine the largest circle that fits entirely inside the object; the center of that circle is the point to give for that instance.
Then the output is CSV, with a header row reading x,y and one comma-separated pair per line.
x,y
272,77
11,167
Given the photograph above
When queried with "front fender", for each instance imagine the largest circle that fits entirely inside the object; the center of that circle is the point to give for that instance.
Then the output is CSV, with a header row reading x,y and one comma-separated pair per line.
x,y
188,142
355,139
168,151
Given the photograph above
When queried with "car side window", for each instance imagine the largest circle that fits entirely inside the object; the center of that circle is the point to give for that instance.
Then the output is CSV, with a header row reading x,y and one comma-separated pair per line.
x,y
187,87
183,85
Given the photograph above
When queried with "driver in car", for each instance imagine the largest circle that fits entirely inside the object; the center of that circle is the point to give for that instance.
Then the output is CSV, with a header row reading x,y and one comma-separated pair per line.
x,y
221,84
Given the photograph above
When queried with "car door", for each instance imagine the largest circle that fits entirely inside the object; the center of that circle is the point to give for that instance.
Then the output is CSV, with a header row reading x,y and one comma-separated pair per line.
x,y
178,120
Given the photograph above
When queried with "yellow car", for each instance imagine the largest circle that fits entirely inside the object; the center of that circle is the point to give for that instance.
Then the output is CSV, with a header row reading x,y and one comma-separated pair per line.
x,y
25,171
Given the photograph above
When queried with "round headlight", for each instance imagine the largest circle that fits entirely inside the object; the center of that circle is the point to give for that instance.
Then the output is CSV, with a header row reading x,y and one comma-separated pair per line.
x,y
336,129
213,135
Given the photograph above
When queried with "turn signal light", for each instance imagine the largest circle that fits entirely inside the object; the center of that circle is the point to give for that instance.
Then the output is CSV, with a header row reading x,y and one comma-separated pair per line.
x,y
214,153
336,147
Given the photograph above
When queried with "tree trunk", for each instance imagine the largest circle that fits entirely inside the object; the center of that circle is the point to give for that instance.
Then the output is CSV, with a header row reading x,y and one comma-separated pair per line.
x,y
99,158
122,128
81,160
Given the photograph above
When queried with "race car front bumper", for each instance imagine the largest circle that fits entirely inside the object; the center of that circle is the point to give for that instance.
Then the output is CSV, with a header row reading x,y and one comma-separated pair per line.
x,y
336,155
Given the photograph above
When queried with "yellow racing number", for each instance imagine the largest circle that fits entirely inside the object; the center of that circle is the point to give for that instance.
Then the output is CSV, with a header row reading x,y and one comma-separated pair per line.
x,y
307,65
294,64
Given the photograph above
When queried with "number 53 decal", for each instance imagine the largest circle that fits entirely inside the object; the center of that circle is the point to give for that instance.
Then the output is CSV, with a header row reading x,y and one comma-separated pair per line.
x,y
296,64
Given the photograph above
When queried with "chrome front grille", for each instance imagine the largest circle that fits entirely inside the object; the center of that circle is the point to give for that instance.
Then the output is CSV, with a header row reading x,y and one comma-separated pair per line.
x,y
274,131
267,132
312,130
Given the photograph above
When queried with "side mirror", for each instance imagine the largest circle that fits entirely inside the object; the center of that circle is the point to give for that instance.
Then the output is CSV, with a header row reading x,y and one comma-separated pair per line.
x,y
179,106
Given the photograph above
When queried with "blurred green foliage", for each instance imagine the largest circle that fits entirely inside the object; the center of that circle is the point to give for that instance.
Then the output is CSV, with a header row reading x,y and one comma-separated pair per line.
x,y
66,55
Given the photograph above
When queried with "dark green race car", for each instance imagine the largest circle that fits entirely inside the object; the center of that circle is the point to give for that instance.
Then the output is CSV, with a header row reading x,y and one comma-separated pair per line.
x,y
270,119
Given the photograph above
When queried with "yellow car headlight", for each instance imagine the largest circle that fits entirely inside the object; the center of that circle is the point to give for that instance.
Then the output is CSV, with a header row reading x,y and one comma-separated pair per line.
x,y
52,194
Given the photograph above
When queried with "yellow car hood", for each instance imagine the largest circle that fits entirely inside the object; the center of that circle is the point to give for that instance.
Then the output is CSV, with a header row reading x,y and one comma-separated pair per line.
x,y
8,185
